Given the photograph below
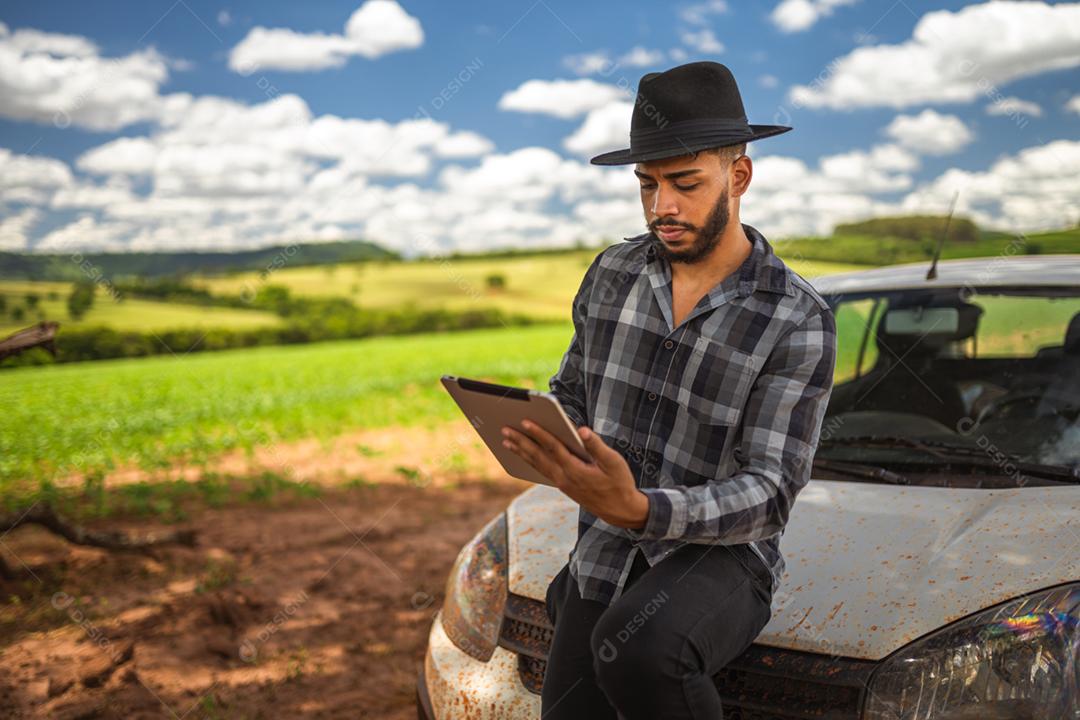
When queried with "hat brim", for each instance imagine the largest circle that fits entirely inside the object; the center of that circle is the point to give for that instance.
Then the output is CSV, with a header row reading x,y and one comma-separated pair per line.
x,y
627,156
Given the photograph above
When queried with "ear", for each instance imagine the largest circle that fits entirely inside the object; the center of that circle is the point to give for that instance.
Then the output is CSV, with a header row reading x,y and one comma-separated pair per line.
x,y
742,172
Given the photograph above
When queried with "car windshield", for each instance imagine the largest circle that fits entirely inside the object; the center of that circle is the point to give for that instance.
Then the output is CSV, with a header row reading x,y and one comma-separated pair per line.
x,y
987,380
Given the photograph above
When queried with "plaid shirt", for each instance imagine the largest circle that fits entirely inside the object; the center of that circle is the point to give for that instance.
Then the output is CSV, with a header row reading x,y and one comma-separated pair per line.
x,y
718,418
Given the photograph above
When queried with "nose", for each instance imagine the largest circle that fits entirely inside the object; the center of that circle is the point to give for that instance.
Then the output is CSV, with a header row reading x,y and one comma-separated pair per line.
x,y
663,204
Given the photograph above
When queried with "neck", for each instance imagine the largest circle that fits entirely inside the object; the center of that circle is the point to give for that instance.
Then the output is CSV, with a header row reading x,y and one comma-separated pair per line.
x,y
730,252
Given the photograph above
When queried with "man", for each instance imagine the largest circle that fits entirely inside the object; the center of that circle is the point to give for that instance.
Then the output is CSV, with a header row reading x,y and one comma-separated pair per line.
x,y
699,373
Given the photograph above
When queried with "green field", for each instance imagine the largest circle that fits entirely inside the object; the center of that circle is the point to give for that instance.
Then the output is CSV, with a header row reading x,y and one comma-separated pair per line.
x,y
154,411
130,314
541,286
870,250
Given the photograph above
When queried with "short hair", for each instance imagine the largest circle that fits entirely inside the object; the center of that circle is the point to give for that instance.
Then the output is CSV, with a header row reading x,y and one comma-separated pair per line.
x,y
727,153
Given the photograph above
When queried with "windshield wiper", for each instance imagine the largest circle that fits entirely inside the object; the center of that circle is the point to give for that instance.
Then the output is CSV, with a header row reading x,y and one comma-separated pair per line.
x,y
862,470
950,452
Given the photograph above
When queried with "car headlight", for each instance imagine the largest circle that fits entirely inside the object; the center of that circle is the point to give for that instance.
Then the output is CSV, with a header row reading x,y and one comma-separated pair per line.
x,y
1017,660
476,592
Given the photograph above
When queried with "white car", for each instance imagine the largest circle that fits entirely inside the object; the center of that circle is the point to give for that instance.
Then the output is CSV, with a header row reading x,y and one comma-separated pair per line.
x,y
933,562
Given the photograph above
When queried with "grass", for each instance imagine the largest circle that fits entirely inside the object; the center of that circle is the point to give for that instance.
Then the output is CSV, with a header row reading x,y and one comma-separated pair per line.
x,y
541,286
152,412
1016,325
869,250
131,314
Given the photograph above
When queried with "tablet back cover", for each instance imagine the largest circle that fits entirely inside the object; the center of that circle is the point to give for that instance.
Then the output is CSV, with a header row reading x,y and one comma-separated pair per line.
x,y
489,407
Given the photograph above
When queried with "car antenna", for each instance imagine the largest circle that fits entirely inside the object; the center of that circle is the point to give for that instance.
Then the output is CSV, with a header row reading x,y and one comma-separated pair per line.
x,y
932,272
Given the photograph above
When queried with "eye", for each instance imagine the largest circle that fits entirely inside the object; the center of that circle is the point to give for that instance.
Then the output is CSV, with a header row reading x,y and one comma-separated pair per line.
x,y
687,187
648,187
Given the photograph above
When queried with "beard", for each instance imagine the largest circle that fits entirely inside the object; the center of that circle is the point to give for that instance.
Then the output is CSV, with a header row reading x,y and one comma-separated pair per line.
x,y
705,239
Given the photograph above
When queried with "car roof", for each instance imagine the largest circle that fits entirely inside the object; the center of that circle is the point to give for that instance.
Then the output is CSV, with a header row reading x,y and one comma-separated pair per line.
x,y
998,271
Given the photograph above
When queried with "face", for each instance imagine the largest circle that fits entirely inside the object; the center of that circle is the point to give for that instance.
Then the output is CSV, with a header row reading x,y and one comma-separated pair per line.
x,y
686,203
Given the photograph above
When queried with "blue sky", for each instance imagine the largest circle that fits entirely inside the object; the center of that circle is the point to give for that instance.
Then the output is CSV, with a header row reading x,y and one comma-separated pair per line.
x,y
428,125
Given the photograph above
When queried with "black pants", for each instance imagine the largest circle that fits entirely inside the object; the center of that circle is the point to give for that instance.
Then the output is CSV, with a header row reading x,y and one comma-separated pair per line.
x,y
652,653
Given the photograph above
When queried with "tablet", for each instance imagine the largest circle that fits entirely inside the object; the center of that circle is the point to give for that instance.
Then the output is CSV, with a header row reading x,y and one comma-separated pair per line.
x,y
490,406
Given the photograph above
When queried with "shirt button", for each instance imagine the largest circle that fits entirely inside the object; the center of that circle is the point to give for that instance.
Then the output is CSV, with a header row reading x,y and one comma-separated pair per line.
x,y
652,396
668,344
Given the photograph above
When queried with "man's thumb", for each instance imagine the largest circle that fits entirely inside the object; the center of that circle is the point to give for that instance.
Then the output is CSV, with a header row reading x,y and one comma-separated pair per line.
x,y
597,448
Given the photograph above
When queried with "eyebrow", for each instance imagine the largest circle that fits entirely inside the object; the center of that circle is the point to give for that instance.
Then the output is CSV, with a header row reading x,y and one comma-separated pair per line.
x,y
670,175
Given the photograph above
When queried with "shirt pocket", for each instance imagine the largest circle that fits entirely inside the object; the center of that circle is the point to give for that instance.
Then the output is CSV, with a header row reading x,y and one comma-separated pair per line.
x,y
717,382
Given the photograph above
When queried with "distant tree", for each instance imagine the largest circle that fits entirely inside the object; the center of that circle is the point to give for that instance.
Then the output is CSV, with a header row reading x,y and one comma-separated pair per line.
x,y
17,313
32,300
81,298
53,295
3,304
913,227
496,281
275,298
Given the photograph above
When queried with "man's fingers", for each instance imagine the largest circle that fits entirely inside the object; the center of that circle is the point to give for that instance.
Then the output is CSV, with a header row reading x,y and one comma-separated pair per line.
x,y
531,453
555,448
599,449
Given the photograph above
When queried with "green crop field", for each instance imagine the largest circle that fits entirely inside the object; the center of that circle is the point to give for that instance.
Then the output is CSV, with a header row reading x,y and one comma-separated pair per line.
x,y
89,416
153,411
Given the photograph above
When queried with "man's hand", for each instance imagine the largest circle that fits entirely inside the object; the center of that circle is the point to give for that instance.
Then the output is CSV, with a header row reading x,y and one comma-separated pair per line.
x,y
604,487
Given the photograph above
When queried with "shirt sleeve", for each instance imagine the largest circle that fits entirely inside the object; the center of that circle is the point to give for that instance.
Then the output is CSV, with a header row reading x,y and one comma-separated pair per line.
x,y
568,383
781,425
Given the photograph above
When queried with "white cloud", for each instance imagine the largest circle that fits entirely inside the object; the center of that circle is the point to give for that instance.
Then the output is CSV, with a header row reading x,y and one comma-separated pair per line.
x,y
588,63
86,233
530,174
374,29
700,13
1034,189
952,57
123,156
226,175
606,128
930,133
89,195
638,56
1073,105
31,178
223,147
560,98
788,198
791,198
15,229
704,41
797,15
61,79
224,18
463,144
1014,106
600,62
769,81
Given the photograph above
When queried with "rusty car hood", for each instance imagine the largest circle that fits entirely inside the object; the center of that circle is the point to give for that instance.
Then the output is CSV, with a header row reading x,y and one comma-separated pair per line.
x,y
870,567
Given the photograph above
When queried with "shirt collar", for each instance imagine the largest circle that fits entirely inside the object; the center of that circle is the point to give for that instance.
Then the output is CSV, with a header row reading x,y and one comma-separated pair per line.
x,y
762,269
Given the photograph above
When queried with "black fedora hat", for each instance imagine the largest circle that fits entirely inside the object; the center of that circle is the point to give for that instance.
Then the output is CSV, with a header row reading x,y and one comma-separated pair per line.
x,y
683,110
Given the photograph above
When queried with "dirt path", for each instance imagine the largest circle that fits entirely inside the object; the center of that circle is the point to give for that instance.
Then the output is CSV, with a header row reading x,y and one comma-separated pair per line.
x,y
436,455
318,608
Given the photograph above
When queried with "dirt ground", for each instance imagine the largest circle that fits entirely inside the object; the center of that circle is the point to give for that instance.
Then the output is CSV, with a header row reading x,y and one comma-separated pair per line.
x,y
317,607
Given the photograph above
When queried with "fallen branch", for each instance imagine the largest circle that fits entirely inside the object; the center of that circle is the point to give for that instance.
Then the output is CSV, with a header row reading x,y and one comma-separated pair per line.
x,y
45,516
